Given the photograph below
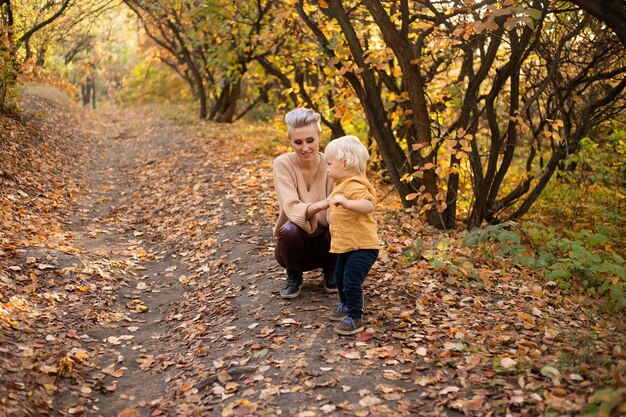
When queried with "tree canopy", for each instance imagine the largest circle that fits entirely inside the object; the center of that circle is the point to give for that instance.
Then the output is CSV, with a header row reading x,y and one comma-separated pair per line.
x,y
471,105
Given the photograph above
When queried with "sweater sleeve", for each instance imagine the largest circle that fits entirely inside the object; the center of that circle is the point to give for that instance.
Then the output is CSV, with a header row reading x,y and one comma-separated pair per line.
x,y
289,201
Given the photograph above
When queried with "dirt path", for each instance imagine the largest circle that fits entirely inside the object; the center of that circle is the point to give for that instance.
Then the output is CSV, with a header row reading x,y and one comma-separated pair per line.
x,y
168,303
142,284
227,342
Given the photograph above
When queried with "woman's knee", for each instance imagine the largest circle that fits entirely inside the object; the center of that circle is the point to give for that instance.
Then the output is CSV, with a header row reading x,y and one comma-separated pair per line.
x,y
289,231
290,247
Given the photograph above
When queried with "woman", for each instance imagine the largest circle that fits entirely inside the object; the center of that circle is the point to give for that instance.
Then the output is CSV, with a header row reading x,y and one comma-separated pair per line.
x,y
302,188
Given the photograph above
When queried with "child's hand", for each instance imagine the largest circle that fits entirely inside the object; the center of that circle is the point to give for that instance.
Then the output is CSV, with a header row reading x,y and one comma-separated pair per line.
x,y
340,200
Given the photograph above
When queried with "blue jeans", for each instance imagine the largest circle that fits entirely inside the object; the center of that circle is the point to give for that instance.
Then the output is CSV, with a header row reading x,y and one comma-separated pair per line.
x,y
350,272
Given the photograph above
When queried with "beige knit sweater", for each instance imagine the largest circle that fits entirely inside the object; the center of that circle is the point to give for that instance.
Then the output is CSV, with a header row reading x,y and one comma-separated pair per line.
x,y
294,197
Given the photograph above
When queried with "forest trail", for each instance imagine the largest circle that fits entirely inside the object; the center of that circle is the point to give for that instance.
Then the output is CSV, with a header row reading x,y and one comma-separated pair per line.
x,y
168,304
208,330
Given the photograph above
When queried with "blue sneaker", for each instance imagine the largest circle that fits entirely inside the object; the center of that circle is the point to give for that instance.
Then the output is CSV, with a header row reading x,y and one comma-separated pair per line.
x,y
339,312
349,326
342,310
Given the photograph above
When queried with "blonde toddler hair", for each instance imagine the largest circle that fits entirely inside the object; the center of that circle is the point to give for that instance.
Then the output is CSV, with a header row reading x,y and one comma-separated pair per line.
x,y
350,150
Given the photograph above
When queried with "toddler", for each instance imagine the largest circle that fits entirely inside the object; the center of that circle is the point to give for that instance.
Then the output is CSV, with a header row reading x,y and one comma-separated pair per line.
x,y
352,227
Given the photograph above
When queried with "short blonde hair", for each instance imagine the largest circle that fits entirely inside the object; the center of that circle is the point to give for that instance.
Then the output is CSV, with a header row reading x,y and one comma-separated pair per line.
x,y
350,150
302,117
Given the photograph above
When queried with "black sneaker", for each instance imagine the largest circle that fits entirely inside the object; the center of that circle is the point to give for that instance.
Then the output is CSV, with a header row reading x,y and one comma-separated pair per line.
x,y
293,285
329,280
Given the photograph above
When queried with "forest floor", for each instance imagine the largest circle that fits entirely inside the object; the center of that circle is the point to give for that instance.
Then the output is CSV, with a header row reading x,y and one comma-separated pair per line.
x,y
137,278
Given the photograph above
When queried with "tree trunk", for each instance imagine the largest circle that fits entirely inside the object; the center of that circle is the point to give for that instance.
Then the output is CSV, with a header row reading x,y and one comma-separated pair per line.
x,y
88,89
229,105
419,127
369,95
8,75
611,12
93,93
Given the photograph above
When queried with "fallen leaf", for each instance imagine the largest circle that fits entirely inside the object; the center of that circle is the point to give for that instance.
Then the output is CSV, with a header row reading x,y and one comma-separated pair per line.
x,y
351,354
49,369
364,337
476,403
80,355
392,375
129,412
286,322
369,401
113,340
507,363
449,389
561,404
145,361
186,386
110,370
265,332
224,376
550,372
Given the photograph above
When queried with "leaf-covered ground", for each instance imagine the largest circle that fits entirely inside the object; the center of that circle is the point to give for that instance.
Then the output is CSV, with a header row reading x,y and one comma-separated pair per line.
x,y
137,278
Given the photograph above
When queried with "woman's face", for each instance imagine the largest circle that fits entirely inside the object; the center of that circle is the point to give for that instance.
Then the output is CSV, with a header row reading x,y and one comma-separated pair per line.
x,y
305,142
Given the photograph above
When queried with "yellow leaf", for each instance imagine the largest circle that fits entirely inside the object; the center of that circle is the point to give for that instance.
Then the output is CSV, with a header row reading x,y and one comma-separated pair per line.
x,y
80,355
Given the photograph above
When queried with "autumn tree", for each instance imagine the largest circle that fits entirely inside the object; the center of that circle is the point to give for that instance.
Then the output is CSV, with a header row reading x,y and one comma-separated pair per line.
x,y
72,33
302,77
457,97
214,47
355,45
19,22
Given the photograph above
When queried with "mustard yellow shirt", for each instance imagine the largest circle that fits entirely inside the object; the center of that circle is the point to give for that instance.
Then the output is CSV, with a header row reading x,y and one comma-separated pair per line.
x,y
350,230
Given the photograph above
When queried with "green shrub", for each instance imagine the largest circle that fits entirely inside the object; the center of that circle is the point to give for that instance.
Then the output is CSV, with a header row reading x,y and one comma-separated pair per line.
x,y
585,259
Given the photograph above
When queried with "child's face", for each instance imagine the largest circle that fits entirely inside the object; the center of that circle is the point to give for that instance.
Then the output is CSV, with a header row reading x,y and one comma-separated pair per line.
x,y
337,169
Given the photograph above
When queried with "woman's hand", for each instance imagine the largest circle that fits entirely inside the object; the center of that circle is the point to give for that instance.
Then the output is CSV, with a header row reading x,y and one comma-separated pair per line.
x,y
315,208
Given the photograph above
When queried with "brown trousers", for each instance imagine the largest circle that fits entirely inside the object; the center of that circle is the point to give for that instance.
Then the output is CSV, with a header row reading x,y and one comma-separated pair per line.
x,y
298,252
